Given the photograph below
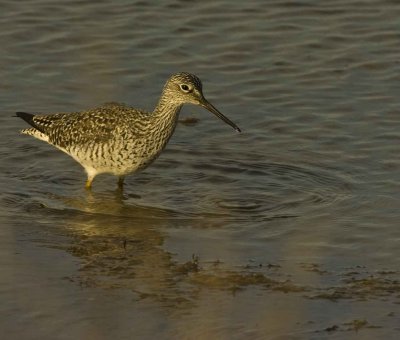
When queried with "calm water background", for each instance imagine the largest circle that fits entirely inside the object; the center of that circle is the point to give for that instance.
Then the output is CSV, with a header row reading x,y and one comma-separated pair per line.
x,y
289,230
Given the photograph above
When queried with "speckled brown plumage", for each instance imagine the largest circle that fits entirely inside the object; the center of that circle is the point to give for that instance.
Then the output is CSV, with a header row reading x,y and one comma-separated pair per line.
x,y
116,138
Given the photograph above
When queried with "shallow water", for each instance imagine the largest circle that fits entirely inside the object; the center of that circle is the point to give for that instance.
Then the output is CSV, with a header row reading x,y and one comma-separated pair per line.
x,y
289,230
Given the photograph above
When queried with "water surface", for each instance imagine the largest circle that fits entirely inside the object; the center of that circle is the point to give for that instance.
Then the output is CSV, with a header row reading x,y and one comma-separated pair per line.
x,y
289,230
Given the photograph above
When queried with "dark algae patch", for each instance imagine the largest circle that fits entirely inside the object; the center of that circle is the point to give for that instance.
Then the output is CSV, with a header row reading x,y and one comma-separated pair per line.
x,y
356,286
353,325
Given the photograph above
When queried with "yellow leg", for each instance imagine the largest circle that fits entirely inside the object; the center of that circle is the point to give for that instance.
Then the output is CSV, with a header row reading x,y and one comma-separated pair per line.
x,y
88,184
121,182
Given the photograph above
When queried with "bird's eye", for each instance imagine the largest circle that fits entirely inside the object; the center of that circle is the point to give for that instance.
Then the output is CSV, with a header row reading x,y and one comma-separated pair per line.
x,y
185,88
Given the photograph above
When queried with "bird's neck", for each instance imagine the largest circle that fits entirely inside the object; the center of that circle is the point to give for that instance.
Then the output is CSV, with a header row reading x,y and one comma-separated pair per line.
x,y
166,112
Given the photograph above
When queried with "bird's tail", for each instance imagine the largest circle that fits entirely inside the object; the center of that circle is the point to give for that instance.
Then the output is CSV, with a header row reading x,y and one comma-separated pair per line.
x,y
28,117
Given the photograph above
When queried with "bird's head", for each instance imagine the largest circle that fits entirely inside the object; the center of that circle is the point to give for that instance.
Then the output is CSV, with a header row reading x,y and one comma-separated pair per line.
x,y
185,88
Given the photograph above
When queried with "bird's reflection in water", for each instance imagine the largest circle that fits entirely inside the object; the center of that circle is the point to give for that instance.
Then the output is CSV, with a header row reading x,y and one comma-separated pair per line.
x,y
121,246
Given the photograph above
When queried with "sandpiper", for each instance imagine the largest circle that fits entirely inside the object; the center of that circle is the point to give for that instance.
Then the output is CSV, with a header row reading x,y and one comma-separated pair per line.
x,y
116,138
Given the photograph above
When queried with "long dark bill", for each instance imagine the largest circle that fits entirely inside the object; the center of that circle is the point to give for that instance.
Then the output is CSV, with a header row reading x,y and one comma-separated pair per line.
x,y
204,103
